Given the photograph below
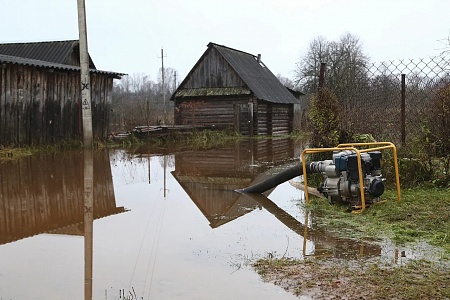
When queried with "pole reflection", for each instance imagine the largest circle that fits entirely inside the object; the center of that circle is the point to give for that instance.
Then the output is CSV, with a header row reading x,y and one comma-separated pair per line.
x,y
88,175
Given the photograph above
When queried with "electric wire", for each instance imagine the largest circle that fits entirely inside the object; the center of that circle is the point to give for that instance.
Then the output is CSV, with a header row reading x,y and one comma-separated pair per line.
x,y
155,243
142,243
151,216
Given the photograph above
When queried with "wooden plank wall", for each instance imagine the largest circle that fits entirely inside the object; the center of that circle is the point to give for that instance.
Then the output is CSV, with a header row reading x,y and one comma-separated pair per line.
x,y
38,106
269,118
213,71
262,119
281,121
274,119
208,111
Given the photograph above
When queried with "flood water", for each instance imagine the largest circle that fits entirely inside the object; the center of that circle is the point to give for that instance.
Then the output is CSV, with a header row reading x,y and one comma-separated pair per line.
x,y
161,224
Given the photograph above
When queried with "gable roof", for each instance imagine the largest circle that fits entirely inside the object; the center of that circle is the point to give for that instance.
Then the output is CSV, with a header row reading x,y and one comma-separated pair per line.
x,y
60,55
261,81
59,52
255,74
49,65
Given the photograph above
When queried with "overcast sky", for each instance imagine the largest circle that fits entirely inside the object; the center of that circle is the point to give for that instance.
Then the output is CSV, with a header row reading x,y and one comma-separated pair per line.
x,y
127,36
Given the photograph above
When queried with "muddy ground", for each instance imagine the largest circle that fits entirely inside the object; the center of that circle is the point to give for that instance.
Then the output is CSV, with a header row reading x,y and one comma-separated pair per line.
x,y
357,279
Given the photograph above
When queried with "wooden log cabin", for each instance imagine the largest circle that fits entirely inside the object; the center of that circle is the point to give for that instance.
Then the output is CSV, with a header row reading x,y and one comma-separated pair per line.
x,y
229,88
40,94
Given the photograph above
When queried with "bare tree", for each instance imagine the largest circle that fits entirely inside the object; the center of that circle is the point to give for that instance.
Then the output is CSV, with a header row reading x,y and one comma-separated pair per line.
x,y
345,61
308,68
138,100
286,82
446,48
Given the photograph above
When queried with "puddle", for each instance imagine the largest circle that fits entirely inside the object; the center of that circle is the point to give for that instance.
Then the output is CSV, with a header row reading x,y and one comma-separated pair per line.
x,y
164,226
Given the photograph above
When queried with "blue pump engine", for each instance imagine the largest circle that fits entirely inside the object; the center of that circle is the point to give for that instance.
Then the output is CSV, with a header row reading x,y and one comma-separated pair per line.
x,y
341,177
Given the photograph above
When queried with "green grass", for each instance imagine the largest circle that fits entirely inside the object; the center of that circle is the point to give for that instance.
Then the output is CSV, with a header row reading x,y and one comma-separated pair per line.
x,y
421,215
7,154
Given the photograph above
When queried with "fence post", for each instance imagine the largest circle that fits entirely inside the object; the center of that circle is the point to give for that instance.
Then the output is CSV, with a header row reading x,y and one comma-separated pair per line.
x,y
402,111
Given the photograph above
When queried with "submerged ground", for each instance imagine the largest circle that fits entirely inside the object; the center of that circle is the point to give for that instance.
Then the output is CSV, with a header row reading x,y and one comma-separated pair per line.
x,y
418,227
170,226
359,279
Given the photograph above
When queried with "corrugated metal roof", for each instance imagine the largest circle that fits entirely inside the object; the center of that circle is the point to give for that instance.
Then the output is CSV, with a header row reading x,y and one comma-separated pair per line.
x,y
50,65
227,91
261,81
56,51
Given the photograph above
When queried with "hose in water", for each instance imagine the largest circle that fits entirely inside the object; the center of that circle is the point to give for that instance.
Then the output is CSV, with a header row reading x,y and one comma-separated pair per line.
x,y
275,180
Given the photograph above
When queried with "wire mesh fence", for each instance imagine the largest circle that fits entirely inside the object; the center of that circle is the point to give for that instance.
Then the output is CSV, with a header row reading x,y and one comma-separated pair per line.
x,y
400,101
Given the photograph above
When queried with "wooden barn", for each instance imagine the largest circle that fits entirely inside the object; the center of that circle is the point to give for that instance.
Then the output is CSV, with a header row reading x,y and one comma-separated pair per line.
x,y
40,93
229,88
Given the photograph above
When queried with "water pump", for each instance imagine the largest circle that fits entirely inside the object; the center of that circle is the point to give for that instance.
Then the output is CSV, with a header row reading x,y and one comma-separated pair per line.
x,y
341,177
352,176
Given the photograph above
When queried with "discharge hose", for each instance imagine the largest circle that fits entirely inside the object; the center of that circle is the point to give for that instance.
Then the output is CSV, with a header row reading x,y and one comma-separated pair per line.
x,y
275,180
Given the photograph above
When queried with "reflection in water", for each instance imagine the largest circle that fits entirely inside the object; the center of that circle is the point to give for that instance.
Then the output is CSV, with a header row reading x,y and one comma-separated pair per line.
x,y
88,174
210,177
44,194
57,194
163,248
325,243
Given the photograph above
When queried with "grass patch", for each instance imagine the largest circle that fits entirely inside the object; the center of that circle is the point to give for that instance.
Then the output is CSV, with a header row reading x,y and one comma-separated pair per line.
x,y
362,279
7,154
421,215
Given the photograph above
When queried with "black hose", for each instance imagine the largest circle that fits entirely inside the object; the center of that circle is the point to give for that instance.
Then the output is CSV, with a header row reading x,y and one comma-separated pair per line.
x,y
275,180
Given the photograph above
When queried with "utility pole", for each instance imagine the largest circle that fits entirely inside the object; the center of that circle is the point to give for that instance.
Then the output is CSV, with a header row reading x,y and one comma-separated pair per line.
x,y
88,155
163,84
175,81
85,77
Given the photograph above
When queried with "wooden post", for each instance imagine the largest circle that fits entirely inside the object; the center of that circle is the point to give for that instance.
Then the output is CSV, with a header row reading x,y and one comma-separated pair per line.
x,y
163,87
85,78
88,155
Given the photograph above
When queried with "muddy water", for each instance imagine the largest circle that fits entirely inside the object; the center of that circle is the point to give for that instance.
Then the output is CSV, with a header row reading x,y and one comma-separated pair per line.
x,y
165,224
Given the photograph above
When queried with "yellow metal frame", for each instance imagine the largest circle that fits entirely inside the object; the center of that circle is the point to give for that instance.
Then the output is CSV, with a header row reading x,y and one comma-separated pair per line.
x,y
352,147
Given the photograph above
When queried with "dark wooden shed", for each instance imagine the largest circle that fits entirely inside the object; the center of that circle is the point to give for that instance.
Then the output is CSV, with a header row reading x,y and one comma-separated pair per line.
x,y
234,89
40,93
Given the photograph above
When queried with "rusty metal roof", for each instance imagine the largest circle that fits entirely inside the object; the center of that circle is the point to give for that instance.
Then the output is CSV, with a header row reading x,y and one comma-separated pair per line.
x,y
5,59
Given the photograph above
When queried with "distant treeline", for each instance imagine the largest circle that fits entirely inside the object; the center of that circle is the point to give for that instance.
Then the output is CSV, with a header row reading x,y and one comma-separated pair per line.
x,y
137,100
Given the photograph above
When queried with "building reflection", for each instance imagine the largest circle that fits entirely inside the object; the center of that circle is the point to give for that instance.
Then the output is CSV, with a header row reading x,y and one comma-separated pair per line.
x,y
60,193
44,194
210,177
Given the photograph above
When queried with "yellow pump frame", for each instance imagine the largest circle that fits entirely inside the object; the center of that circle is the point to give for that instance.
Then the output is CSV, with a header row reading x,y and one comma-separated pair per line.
x,y
352,147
